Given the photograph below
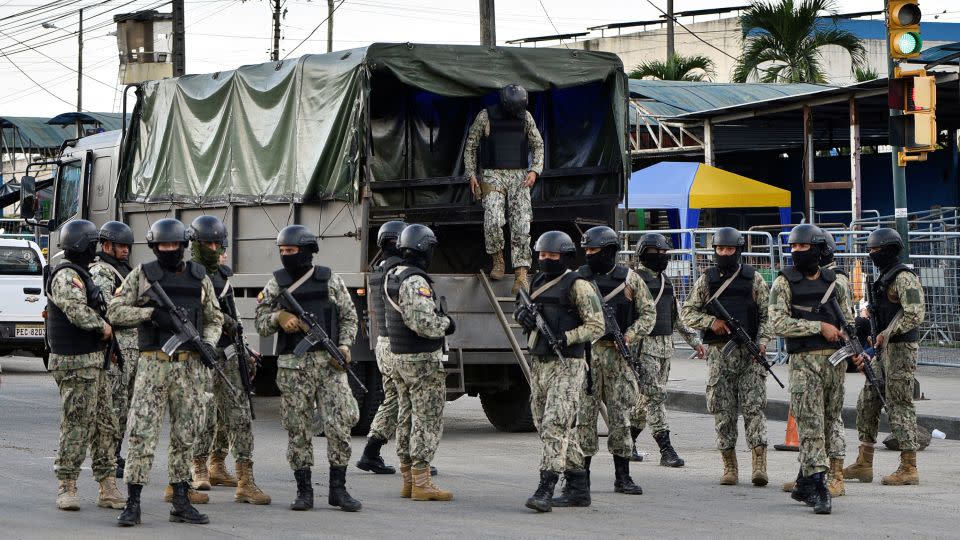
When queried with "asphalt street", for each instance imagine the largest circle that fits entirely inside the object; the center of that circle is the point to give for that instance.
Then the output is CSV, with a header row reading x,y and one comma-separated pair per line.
x,y
491,475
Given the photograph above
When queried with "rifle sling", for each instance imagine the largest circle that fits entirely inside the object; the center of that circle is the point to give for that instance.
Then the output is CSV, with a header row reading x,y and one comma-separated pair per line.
x,y
723,286
822,302
546,286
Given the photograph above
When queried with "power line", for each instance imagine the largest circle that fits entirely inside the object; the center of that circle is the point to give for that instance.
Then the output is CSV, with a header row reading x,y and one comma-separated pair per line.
x,y
38,85
111,86
555,29
304,40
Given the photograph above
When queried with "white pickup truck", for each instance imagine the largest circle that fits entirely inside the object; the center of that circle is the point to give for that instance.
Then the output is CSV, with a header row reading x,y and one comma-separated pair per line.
x,y
21,297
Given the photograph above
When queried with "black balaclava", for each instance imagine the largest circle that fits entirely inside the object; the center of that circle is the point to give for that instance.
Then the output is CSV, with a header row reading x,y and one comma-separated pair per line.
x,y
604,260
298,263
390,249
418,259
553,268
170,260
82,258
727,263
885,257
807,262
654,260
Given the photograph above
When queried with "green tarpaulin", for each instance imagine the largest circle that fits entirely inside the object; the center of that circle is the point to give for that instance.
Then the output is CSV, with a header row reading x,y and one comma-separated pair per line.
x,y
307,128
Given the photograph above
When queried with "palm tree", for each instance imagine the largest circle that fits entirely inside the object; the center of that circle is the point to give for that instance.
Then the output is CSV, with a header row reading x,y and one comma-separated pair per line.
x,y
677,68
786,38
864,74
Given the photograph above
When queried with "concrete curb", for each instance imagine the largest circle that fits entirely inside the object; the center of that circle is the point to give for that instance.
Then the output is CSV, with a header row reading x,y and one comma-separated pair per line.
x,y
695,402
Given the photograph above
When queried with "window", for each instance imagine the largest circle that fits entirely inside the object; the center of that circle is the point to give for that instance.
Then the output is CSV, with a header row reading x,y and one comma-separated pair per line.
x,y
19,261
68,191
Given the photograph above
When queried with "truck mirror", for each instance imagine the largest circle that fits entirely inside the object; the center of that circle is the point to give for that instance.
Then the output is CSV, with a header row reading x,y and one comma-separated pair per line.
x,y
28,197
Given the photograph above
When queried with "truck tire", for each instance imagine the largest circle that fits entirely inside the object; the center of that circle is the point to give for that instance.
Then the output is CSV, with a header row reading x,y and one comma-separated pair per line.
x,y
509,410
367,403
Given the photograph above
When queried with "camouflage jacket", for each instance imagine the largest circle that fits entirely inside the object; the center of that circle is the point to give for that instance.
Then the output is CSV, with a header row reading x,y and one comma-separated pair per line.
x,y
781,314
69,293
908,292
693,314
268,307
104,276
584,295
481,128
662,346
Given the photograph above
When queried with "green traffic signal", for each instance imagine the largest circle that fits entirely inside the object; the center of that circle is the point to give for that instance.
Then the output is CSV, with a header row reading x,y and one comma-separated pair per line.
x,y
909,43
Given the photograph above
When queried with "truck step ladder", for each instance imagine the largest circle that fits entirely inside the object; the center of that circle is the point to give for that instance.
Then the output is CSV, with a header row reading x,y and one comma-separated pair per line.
x,y
505,324
453,367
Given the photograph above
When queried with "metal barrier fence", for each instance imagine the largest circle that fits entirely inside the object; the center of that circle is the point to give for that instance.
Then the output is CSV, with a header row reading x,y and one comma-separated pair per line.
x,y
935,256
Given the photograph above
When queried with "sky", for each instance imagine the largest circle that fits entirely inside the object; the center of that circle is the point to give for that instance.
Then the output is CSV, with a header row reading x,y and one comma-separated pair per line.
x,y
224,34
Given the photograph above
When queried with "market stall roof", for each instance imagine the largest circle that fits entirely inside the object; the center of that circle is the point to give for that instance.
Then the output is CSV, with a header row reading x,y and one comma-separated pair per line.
x,y
36,134
679,185
109,121
674,98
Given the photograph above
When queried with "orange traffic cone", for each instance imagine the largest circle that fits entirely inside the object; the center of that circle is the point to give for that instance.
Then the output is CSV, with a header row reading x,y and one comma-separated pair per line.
x,y
791,441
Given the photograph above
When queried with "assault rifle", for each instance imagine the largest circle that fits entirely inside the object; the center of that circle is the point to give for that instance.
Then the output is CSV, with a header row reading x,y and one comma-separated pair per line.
x,y
613,330
113,347
740,337
240,352
542,326
315,334
853,347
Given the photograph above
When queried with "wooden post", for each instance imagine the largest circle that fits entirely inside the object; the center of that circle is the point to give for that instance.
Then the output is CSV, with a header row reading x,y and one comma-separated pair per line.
x,y
708,157
809,153
856,201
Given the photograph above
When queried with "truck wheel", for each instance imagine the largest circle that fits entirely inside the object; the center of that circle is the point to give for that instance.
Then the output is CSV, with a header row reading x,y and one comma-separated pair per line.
x,y
509,410
369,402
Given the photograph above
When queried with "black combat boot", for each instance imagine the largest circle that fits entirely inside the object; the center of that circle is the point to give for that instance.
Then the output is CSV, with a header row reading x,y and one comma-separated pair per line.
x,y
183,511
542,499
668,456
577,489
803,490
586,467
822,502
371,460
121,463
131,512
304,500
623,483
634,433
338,490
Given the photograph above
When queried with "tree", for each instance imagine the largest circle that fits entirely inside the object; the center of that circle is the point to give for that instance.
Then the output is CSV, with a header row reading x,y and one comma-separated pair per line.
x,y
864,74
677,68
782,42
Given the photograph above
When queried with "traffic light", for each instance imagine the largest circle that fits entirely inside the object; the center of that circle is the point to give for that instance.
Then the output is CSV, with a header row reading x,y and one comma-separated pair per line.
x,y
914,94
903,28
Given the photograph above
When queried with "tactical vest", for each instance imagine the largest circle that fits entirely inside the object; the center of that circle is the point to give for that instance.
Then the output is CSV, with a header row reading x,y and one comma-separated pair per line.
x,y
185,289
624,309
807,293
63,336
506,146
403,340
887,310
665,306
837,270
559,312
314,296
119,270
737,299
375,301
224,297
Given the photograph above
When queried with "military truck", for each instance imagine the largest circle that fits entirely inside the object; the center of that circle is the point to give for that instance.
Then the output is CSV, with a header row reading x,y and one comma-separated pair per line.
x,y
343,142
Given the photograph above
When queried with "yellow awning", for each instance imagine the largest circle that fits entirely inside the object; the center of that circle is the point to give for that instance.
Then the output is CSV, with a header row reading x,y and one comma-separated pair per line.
x,y
716,188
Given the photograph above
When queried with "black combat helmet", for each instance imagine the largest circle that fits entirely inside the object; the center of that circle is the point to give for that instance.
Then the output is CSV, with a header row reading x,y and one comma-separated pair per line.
x,y
116,232
728,236
884,237
167,230
600,237
513,99
418,238
389,231
653,240
78,235
828,250
555,242
209,229
300,236
807,234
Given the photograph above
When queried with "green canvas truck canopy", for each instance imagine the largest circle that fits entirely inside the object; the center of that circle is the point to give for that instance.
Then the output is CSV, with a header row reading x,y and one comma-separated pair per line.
x,y
310,128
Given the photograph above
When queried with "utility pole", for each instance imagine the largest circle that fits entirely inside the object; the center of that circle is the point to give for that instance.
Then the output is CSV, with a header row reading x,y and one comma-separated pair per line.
x,y
80,74
275,54
670,45
899,171
329,25
179,40
488,24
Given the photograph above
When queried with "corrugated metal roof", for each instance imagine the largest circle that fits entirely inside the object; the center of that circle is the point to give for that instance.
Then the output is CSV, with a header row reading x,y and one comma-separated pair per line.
x,y
35,131
109,121
685,97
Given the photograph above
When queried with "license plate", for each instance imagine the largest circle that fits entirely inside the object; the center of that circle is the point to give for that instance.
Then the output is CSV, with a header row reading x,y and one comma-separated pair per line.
x,y
26,331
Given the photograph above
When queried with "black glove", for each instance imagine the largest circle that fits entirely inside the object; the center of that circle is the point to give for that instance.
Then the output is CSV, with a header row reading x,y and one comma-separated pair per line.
x,y
208,355
526,318
562,340
452,327
163,319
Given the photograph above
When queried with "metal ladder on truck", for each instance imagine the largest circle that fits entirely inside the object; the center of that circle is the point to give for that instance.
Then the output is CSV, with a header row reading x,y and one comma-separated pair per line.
x,y
510,329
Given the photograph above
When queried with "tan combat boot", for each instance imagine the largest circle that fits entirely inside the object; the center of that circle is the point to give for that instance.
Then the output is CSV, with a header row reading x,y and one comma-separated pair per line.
x,y
497,271
247,489
906,474
424,489
862,468
729,467
835,478
407,490
110,496
759,477
201,477
67,498
193,495
520,280
788,486
219,475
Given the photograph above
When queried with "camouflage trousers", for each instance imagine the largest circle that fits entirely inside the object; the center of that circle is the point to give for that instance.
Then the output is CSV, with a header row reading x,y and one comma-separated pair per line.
x,y
121,390
303,380
736,385
614,385
653,397
897,365
226,423
504,193
86,421
384,424
421,395
816,397
556,388
163,385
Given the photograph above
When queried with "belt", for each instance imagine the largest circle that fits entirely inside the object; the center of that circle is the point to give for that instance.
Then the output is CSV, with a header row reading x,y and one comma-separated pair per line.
x,y
179,356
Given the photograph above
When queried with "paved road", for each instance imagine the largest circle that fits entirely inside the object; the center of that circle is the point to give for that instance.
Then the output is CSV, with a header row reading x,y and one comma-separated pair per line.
x,y
491,474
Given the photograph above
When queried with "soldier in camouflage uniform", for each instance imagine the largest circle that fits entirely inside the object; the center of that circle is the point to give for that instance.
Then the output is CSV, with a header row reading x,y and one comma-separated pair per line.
x,y
417,326
314,375
76,331
656,349
174,382
736,383
107,271
224,416
899,310
511,160
614,382
812,336
572,309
